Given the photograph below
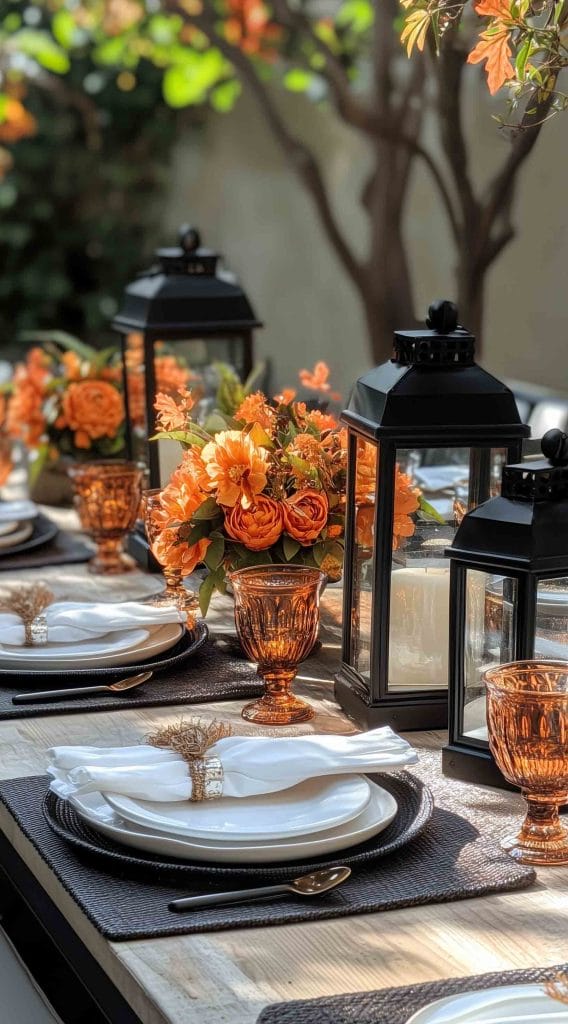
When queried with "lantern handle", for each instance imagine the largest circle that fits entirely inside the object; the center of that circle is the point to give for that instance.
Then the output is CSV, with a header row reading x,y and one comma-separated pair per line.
x,y
189,238
442,316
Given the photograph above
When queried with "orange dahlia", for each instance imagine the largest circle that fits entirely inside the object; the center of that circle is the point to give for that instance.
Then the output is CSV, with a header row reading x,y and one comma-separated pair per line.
x,y
236,467
258,526
91,409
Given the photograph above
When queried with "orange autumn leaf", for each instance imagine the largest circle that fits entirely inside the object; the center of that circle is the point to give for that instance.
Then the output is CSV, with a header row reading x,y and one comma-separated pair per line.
x,y
500,9
493,47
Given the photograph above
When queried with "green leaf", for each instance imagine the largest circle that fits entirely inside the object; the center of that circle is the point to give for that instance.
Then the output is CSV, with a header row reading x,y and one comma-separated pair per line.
x,y
206,593
41,47
319,551
522,57
290,547
61,338
198,531
39,463
188,83
298,80
359,14
184,436
63,28
224,96
431,512
215,553
208,510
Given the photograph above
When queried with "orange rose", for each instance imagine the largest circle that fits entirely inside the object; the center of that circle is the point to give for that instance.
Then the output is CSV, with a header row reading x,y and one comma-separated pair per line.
x,y
305,515
257,527
92,409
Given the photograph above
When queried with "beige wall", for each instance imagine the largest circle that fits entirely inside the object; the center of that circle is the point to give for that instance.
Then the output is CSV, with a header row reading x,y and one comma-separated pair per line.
x,y
231,179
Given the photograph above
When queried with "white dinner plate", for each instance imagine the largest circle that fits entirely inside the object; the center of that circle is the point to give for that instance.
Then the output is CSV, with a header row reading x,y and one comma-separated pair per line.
x,y
8,527
18,536
119,640
511,1004
377,815
312,806
157,639
19,510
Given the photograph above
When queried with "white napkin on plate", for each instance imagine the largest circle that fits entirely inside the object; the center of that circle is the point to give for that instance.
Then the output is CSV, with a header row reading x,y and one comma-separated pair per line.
x,y
251,764
17,511
75,621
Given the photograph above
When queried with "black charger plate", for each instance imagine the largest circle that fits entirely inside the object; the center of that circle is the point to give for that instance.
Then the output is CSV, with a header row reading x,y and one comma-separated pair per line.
x,y
186,646
415,808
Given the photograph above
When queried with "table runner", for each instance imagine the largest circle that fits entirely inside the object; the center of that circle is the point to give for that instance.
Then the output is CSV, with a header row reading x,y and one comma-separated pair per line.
x,y
218,671
451,860
394,1005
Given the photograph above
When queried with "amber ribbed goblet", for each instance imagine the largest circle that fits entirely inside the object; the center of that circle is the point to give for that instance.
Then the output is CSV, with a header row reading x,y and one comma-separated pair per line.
x,y
107,498
527,720
175,592
277,619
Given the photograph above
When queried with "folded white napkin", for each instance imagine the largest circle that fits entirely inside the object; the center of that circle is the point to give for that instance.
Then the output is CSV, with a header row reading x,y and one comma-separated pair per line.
x,y
17,511
251,764
75,621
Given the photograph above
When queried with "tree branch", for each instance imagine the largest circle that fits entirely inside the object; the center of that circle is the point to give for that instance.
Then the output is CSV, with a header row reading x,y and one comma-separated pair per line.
x,y
449,69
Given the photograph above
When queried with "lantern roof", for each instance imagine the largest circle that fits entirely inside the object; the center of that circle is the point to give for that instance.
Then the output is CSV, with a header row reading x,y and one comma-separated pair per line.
x,y
527,526
184,292
433,391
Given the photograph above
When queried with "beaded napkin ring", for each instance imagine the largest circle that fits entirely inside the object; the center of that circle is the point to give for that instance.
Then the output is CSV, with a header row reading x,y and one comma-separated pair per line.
x,y
29,602
191,740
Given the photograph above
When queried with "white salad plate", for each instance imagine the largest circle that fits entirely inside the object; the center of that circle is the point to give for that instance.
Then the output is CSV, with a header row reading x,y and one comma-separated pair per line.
x,y
8,527
18,510
377,815
18,536
313,806
123,647
511,1004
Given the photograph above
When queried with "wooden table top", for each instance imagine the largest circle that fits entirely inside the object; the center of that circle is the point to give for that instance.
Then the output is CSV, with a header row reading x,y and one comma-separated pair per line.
x,y
228,977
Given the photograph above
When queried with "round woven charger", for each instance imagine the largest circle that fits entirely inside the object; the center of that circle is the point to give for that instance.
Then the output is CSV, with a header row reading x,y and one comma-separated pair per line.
x,y
190,642
415,808
44,531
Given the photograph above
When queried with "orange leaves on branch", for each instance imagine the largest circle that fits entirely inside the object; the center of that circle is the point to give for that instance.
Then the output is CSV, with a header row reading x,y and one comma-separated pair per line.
x,y
494,46
249,26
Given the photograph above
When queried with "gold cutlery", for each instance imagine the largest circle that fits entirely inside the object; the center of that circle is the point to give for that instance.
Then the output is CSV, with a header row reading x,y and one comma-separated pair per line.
x,y
80,691
314,884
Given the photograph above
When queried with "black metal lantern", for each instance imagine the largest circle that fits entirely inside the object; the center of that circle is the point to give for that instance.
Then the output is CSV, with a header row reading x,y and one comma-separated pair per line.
x,y
509,596
429,433
176,320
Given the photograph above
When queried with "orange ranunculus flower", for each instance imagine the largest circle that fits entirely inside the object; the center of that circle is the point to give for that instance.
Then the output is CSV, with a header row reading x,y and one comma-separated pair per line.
x,y
91,409
259,526
305,515
255,409
236,467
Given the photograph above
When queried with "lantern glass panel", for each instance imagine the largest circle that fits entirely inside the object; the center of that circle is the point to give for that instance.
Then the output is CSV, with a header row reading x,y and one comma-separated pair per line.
x,y
489,639
434,488
366,459
551,639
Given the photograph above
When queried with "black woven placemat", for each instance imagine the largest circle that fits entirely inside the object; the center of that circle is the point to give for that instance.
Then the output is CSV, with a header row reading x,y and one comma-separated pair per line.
x,y
394,1005
217,671
450,860
64,549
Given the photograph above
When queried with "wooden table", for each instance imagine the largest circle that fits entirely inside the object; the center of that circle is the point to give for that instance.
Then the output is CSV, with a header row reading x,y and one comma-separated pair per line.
x,y
227,977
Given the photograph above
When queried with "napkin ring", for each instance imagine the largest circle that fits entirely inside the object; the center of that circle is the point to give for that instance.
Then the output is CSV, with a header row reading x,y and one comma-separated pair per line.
x,y
36,631
206,778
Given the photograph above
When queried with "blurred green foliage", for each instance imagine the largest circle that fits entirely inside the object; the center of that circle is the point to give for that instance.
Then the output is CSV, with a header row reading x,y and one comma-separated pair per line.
x,y
80,209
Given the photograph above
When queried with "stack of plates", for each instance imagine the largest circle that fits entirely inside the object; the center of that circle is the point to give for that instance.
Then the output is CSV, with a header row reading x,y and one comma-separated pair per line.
x,y
317,817
123,647
23,528
512,1004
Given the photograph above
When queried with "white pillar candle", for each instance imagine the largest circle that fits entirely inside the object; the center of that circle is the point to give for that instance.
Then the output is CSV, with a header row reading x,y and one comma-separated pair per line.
x,y
419,627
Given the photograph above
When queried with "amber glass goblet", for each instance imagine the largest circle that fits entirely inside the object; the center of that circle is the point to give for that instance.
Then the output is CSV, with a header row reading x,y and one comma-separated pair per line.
x,y
107,498
277,619
527,720
175,592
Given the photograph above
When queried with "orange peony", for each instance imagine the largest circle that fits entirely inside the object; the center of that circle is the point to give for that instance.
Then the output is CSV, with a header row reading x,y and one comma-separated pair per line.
x,y
92,409
305,515
259,526
236,467
255,409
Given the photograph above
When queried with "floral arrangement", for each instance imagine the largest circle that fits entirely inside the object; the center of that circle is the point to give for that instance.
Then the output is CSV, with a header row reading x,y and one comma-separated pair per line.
x,y
523,44
261,481
170,374
66,399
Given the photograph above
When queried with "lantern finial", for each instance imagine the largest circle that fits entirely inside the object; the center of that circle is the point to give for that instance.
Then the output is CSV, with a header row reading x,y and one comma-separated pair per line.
x,y
189,238
442,316
554,446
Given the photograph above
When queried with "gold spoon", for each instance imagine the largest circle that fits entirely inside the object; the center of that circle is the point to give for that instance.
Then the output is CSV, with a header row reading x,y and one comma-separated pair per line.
x,y
79,691
307,885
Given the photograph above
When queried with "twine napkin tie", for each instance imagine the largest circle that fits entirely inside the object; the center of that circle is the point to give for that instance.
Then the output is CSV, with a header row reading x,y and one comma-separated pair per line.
x,y
191,741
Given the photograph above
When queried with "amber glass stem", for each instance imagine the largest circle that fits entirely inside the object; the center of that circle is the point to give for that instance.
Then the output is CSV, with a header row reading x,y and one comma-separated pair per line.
x,y
278,682
542,822
173,580
108,557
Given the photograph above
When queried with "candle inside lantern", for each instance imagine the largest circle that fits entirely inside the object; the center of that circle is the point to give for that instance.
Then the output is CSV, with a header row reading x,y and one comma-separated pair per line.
x,y
419,627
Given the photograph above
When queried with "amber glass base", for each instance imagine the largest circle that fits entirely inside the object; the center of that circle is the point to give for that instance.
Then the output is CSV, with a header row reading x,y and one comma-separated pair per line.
x,y
111,560
269,712
543,839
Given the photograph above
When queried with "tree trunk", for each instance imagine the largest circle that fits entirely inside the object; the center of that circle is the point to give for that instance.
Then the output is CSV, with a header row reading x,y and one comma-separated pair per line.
x,y
387,293
471,297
